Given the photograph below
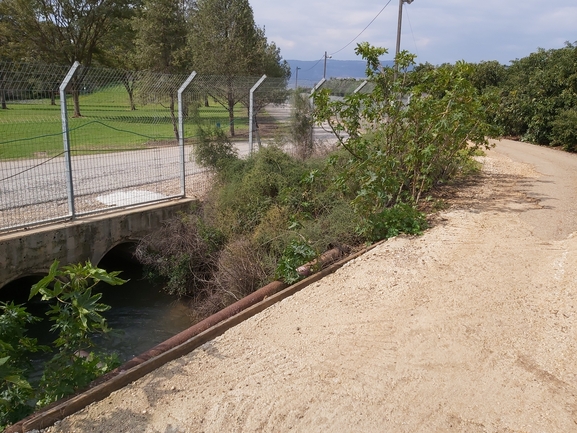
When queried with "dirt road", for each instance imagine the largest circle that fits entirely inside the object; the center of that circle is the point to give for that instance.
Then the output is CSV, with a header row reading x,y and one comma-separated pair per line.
x,y
471,327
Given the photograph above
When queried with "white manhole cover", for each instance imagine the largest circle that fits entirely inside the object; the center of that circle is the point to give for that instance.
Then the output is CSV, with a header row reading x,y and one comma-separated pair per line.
x,y
126,198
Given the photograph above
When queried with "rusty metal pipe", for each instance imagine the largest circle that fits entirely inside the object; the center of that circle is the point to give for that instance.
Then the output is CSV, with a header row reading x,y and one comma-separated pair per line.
x,y
187,334
180,338
326,258
189,339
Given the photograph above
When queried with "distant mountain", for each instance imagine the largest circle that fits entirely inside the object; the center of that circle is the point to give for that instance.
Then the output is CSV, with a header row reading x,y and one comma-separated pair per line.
x,y
311,72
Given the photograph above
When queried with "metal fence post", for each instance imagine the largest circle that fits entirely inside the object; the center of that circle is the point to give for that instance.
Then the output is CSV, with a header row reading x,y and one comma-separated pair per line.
x,y
66,137
251,112
312,100
317,87
181,133
358,89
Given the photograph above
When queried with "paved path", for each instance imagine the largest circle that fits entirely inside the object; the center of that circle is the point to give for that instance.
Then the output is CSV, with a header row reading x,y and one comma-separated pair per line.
x,y
43,181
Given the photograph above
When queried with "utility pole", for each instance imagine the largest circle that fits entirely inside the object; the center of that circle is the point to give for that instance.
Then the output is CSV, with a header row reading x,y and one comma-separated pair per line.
x,y
399,31
325,68
297,79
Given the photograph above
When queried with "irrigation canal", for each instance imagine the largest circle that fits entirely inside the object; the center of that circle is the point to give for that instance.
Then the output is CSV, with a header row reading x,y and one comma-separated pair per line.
x,y
141,314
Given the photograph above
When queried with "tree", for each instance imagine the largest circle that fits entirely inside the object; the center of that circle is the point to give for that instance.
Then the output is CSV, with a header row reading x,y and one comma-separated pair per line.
x,y
64,31
407,135
488,74
228,43
564,130
160,40
121,53
10,49
537,90
301,124
161,46
3,105
12,45
118,50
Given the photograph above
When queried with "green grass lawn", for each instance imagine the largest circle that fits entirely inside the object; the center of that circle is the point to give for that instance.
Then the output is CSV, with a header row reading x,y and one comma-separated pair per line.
x,y
34,127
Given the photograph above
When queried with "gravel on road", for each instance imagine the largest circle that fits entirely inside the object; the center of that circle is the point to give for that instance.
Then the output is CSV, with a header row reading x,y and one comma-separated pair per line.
x,y
471,327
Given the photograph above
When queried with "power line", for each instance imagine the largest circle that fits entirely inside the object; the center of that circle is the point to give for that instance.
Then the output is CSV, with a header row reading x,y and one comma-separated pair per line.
x,y
368,25
412,33
318,61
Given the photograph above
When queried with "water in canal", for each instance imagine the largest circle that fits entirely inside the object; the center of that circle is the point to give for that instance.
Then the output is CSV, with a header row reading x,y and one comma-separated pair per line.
x,y
141,314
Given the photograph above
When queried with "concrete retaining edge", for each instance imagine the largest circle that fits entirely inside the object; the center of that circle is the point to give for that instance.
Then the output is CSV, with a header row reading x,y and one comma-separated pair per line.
x,y
174,348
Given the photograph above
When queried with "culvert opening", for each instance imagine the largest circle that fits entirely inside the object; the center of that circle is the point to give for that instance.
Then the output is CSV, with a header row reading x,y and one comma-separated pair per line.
x,y
141,314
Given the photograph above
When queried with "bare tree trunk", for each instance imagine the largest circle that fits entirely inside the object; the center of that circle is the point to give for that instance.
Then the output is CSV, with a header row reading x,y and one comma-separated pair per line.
x,y
128,80
2,93
74,87
231,112
173,116
76,99
230,104
131,99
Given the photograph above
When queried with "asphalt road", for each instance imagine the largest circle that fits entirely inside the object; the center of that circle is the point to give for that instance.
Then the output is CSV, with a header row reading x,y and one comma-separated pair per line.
x,y
36,181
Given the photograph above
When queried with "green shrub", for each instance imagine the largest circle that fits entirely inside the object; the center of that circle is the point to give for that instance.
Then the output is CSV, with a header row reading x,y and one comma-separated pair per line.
x,y
392,221
76,315
273,233
564,131
213,150
15,351
242,198
296,254
264,201
336,227
301,125
409,134
67,372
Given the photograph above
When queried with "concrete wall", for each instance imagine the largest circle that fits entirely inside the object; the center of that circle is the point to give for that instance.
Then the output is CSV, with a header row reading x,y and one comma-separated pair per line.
x,y
33,251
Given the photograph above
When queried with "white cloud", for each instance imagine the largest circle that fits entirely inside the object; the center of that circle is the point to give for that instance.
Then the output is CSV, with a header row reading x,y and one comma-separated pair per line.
x,y
282,42
562,18
438,31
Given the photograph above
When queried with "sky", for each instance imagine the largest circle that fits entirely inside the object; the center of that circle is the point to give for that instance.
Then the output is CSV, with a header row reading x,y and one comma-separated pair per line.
x,y
437,31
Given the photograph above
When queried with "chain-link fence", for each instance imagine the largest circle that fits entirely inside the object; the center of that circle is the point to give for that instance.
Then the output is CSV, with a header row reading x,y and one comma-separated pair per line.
x,y
338,87
30,140
225,102
341,87
82,140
